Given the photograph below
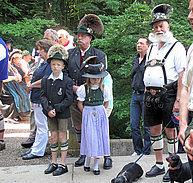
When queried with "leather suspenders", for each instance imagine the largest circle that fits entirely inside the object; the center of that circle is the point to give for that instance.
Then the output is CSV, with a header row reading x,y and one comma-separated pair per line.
x,y
160,62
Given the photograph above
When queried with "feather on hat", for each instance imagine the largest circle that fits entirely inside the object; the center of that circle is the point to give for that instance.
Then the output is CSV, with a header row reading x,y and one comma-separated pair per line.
x,y
91,24
57,52
159,13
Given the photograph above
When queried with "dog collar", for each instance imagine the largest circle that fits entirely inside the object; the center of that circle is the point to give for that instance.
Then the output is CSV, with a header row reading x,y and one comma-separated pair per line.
x,y
123,175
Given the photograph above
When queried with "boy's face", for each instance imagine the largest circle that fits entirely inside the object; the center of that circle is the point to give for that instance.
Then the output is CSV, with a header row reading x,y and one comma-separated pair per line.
x,y
57,66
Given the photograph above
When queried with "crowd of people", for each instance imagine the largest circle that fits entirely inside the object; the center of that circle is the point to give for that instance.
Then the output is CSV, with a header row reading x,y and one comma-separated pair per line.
x,y
67,83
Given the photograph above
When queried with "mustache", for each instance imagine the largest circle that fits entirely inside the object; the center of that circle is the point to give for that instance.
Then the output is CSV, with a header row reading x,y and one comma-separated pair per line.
x,y
80,41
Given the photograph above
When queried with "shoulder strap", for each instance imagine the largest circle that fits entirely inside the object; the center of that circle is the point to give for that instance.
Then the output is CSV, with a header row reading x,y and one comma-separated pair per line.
x,y
163,61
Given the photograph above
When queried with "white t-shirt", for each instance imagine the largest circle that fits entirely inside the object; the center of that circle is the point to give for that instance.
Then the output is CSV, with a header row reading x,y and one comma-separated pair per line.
x,y
2,52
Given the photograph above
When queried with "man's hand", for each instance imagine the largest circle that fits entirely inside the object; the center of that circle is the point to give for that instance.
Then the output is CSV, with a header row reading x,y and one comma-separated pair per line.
x,y
176,106
189,145
181,134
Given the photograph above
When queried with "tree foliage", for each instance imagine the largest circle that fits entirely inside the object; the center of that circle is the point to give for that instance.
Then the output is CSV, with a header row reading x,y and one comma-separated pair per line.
x,y
124,20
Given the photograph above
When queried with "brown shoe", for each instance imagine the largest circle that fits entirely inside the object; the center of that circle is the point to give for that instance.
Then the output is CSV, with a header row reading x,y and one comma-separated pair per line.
x,y
2,145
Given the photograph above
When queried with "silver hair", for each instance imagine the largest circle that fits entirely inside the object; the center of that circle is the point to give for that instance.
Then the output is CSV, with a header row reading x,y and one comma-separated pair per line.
x,y
53,33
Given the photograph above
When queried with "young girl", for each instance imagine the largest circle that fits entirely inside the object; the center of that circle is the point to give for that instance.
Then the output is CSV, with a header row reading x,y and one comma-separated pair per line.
x,y
56,98
93,98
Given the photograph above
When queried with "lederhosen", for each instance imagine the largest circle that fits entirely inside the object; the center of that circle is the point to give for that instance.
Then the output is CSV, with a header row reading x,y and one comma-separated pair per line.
x,y
155,95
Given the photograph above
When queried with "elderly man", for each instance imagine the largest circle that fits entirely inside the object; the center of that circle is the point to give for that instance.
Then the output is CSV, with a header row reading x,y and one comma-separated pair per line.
x,y
76,68
4,75
51,35
165,64
186,104
65,39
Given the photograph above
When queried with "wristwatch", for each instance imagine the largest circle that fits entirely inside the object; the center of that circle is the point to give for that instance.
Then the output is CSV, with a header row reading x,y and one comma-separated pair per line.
x,y
177,99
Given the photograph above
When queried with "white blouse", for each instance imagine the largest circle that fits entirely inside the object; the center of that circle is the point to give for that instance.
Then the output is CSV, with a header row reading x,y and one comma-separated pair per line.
x,y
81,93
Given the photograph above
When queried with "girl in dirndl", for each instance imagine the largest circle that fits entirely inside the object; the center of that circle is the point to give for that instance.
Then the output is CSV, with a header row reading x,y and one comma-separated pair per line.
x,y
93,98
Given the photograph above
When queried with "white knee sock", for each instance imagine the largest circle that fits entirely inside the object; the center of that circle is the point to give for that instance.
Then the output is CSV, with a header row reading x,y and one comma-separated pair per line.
x,y
87,162
96,164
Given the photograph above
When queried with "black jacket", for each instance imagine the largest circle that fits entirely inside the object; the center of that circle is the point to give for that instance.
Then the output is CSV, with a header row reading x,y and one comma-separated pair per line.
x,y
74,70
57,95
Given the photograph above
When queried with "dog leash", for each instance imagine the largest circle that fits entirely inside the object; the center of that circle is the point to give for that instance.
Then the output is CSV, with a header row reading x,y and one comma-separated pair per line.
x,y
147,148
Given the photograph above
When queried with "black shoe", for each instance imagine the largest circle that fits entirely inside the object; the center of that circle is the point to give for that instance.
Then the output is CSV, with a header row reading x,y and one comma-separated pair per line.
x,y
52,167
96,172
155,171
107,163
80,161
30,156
166,177
25,153
28,143
86,169
60,170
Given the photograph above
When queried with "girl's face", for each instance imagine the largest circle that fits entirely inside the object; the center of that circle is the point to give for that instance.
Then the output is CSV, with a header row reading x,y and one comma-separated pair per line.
x,y
95,81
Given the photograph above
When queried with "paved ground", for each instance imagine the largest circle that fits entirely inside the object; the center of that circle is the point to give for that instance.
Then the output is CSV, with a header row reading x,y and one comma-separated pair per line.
x,y
14,169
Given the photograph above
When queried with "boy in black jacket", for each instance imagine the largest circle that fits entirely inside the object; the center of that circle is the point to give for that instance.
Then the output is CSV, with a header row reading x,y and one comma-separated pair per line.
x,y
56,98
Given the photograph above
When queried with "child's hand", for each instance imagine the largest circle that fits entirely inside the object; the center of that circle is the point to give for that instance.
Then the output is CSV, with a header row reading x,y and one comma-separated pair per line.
x,y
52,113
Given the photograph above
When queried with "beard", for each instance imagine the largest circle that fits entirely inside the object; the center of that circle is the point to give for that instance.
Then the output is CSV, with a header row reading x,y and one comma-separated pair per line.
x,y
160,36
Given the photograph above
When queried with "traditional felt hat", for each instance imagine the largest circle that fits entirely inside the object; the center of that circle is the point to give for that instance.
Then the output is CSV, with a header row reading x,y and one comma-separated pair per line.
x,y
57,52
25,52
95,71
90,24
159,13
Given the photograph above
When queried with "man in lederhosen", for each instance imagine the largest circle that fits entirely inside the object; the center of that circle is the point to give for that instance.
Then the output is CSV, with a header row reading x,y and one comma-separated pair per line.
x,y
165,63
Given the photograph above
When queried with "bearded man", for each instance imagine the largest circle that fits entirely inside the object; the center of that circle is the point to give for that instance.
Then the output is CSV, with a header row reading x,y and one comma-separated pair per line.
x,y
165,64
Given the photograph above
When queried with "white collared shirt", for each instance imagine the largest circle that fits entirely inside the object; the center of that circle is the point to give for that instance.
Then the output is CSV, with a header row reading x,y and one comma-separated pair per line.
x,y
188,77
83,52
60,76
174,63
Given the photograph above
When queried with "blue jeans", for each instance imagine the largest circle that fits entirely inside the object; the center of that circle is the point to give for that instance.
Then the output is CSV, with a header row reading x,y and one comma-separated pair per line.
x,y
136,110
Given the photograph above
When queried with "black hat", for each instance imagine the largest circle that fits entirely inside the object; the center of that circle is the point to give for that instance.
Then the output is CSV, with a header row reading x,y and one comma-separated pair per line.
x,y
8,41
57,52
94,71
90,24
159,13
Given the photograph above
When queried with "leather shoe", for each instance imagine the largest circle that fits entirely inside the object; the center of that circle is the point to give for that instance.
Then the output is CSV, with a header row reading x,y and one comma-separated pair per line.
x,y
25,153
60,170
28,143
52,167
30,156
96,172
166,177
107,163
155,171
80,161
86,169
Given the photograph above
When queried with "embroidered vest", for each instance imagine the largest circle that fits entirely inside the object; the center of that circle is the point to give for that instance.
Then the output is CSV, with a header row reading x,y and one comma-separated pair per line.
x,y
94,97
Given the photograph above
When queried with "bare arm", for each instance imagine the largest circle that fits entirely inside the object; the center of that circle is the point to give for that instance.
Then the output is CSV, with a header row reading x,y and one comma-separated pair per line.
x,y
183,113
176,107
80,105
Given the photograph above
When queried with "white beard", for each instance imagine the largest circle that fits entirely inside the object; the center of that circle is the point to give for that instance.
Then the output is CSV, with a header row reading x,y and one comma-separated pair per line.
x,y
164,37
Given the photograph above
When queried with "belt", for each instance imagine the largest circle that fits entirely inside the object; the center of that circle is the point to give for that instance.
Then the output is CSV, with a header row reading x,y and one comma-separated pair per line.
x,y
155,90
138,92
190,113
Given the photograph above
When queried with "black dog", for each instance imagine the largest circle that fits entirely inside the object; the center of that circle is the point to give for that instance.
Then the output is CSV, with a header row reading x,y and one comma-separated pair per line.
x,y
178,171
128,174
